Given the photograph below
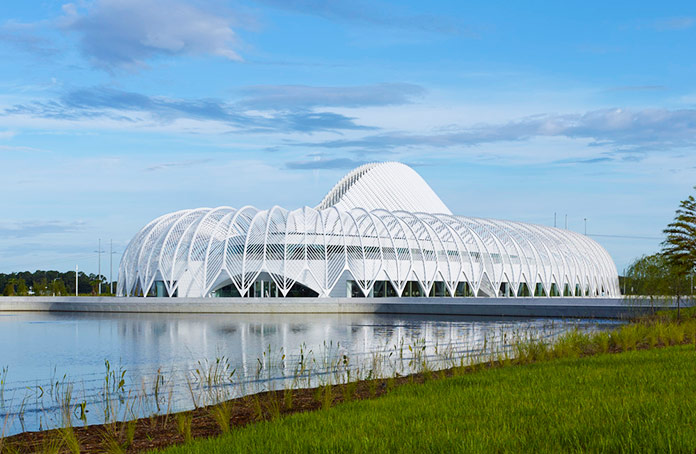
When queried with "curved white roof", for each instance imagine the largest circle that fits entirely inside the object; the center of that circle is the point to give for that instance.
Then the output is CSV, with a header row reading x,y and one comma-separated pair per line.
x,y
381,223
194,252
387,185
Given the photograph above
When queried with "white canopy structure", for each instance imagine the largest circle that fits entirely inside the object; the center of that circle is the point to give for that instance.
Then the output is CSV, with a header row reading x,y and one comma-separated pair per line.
x,y
381,231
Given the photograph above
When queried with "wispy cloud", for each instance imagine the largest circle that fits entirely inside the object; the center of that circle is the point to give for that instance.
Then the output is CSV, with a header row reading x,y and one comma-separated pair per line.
x,y
35,228
24,36
126,106
585,161
373,14
169,165
304,96
637,88
20,148
629,130
128,33
673,23
338,163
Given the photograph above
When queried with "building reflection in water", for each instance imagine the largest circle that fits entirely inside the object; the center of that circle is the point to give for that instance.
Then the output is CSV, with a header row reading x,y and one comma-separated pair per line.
x,y
38,347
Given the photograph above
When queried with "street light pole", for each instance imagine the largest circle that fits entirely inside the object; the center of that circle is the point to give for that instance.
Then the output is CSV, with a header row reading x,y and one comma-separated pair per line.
x,y
585,219
99,277
76,286
111,266
53,286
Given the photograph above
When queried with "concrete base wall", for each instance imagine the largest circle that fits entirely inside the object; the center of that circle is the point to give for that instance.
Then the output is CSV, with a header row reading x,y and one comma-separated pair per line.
x,y
516,307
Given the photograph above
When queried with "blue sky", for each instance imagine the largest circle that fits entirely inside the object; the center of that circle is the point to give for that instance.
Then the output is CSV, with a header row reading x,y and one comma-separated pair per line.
x,y
113,112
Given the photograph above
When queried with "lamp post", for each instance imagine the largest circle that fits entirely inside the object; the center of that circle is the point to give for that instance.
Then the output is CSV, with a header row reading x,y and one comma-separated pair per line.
x,y
99,277
76,286
53,286
111,266
585,219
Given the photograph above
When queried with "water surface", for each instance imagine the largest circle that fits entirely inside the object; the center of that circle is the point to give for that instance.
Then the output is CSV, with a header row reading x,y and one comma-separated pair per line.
x,y
42,352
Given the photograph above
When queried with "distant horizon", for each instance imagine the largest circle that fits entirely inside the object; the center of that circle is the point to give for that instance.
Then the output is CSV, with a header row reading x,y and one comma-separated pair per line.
x,y
114,112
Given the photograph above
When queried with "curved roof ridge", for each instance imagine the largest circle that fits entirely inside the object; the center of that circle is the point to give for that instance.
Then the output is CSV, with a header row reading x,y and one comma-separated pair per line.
x,y
389,185
340,188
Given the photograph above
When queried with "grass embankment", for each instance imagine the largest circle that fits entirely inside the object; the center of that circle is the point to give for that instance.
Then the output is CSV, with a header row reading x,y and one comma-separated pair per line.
x,y
635,401
643,399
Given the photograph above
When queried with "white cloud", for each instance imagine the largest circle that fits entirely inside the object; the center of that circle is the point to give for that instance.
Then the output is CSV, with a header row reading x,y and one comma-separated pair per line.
x,y
623,129
128,33
19,148
674,23
305,96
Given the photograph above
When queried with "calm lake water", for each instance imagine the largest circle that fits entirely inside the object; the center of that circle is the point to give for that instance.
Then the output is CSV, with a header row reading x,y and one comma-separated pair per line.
x,y
45,355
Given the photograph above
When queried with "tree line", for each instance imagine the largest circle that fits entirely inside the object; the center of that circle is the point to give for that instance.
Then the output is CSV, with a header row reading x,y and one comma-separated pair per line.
x,y
49,283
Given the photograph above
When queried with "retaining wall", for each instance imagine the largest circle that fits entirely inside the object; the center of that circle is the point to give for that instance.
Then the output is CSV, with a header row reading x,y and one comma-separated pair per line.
x,y
527,307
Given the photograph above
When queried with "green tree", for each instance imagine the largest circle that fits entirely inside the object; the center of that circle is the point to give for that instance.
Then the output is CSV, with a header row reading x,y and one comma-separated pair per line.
x,y
679,248
95,286
9,289
58,287
655,277
647,276
22,289
40,287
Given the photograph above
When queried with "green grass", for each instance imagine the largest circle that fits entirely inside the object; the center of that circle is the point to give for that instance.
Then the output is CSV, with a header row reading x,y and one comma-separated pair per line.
x,y
636,401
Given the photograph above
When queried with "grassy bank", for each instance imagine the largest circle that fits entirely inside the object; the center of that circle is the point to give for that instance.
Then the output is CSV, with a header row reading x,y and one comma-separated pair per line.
x,y
642,400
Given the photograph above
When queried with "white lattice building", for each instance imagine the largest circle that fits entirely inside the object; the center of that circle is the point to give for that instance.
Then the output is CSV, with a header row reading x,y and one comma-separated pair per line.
x,y
381,231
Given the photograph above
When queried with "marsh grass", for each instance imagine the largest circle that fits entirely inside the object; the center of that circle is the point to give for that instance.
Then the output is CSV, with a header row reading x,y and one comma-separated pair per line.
x,y
258,408
273,405
69,440
287,397
3,381
372,384
110,439
222,414
110,445
327,397
183,425
51,444
129,428
318,391
8,448
348,390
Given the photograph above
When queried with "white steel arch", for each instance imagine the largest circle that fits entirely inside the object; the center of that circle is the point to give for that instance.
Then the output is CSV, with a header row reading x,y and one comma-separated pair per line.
x,y
381,223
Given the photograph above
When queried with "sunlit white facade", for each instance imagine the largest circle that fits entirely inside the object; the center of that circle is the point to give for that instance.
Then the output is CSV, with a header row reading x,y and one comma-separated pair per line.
x,y
381,231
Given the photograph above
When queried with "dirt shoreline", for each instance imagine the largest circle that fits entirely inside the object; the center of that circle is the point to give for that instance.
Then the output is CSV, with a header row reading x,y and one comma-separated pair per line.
x,y
160,431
